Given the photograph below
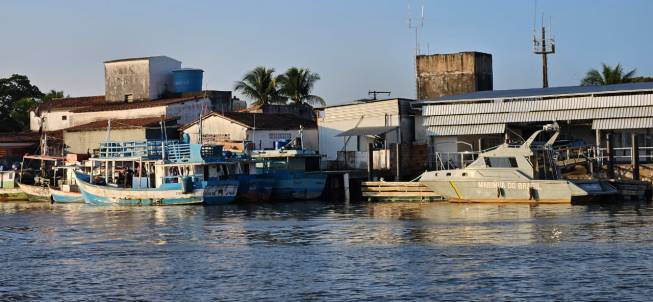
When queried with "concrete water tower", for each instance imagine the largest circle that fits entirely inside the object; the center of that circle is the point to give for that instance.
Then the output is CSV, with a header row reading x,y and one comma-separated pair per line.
x,y
138,79
448,74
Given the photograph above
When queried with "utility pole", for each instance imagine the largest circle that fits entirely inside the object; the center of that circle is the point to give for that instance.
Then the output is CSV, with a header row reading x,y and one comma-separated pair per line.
x,y
541,47
373,93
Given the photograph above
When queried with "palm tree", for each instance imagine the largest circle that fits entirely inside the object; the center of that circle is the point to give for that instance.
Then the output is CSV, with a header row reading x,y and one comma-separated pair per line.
x,y
608,76
297,84
260,85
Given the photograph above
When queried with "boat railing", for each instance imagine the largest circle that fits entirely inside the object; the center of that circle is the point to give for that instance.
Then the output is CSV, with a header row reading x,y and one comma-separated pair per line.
x,y
150,149
160,150
452,160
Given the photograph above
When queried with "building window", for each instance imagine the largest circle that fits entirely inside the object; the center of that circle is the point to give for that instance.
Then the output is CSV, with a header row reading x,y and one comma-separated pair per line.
x,y
129,98
63,117
279,135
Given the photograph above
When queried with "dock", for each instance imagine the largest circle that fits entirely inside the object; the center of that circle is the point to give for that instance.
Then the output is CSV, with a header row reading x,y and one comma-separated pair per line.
x,y
383,190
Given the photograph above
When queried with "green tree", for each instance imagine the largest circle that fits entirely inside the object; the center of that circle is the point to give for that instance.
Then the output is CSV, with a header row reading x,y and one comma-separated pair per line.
x,y
53,94
16,93
608,75
297,85
261,86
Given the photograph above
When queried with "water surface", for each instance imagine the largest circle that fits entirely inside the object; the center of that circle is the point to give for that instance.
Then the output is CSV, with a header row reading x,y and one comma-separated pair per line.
x,y
326,251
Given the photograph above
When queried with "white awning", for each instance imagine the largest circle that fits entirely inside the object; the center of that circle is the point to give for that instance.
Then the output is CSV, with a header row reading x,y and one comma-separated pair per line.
x,y
623,123
362,131
466,129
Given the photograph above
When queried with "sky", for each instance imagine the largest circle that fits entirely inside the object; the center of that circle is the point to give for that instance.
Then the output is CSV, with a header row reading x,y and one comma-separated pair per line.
x,y
355,46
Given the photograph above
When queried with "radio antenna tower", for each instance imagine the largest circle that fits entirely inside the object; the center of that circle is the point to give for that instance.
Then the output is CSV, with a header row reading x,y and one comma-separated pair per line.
x,y
417,25
544,47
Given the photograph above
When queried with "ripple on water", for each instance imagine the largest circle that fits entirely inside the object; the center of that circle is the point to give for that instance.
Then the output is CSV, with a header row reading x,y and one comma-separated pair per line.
x,y
326,251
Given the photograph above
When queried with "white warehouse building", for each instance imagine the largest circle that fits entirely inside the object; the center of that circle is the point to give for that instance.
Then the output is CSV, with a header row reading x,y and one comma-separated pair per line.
x,y
585,114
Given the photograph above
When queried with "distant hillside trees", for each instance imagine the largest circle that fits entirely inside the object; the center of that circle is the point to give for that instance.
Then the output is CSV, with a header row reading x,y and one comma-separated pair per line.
x,y
296,85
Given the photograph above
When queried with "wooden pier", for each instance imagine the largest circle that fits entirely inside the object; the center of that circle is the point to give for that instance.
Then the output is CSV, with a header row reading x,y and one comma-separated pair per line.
x,y
382,190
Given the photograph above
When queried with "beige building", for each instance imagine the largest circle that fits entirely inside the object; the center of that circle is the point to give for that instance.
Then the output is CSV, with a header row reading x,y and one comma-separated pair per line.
x,y
232,129
84,139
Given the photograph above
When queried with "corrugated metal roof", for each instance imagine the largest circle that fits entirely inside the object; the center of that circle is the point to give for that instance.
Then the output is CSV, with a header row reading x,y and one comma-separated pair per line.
x,y
544,92
587,102
538,116
360,131
466,129
623,123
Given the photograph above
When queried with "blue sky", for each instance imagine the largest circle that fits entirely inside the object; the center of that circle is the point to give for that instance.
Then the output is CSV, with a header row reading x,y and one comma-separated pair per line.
x,y
354,45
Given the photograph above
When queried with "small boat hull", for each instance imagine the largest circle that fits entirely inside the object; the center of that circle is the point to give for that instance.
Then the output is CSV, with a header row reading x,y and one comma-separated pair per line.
x,y
255,188
35,193
298,186
66,197
216,193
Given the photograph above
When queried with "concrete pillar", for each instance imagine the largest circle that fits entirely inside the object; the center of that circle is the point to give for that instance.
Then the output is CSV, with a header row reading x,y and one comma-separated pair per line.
x,y
370,160
609,141
398,166
345,184
634,155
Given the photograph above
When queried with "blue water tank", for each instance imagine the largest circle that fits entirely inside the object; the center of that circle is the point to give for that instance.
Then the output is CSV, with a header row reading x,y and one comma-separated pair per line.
x,y
187,80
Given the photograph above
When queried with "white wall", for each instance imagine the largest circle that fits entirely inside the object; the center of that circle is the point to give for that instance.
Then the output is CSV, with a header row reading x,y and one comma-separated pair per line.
x,y
264,139
218,126
342,118
53,120
187,112
222,127
161,75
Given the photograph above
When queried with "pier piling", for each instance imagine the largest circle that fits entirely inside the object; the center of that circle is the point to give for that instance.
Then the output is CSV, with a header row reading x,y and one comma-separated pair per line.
x,y
634,156
609,141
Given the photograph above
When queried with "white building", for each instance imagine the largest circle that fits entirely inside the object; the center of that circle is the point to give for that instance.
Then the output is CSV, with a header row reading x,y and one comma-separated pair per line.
x,y
135,88
585,114
351,127
70,112
232,129
84,139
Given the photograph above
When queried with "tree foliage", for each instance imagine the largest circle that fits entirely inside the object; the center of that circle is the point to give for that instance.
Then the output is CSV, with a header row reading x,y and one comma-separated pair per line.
x,y
608,75
297,84
17,96
261,86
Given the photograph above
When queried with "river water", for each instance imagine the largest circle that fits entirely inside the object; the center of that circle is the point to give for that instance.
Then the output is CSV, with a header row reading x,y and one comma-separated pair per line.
x,y
326,251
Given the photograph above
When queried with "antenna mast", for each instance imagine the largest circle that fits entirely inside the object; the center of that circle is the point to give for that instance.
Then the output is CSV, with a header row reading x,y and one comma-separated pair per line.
x,y
417,27
544,47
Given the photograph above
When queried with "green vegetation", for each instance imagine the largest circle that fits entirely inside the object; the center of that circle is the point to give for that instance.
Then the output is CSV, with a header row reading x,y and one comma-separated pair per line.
x,y
263,87
297,83
609,75
260,85
17,97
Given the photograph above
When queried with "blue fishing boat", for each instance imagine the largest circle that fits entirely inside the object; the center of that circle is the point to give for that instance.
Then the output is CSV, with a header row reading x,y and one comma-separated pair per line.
x,y
296,172
158,173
